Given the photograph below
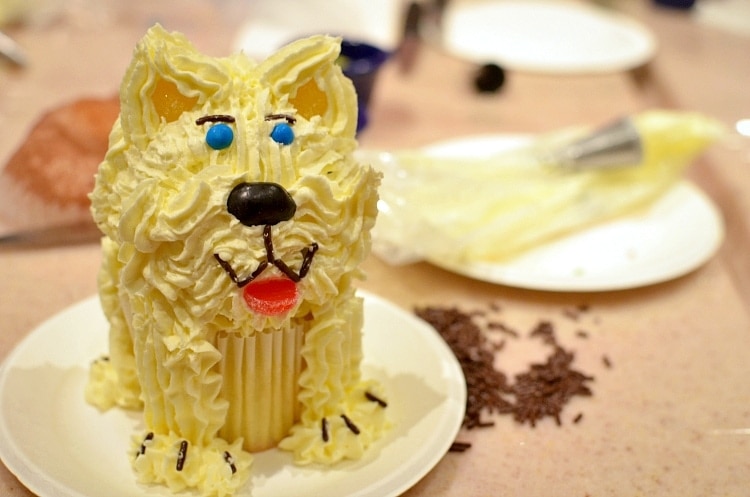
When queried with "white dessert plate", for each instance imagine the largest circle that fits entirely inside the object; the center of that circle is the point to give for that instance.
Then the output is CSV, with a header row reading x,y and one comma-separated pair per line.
x,y
545,36
58,445
677,234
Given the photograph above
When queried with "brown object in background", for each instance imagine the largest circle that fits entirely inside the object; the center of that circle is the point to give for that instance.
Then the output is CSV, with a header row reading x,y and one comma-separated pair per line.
x,y
49,177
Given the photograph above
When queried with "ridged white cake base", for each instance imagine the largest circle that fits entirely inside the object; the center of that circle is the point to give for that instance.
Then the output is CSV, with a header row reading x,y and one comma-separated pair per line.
x,y
260,382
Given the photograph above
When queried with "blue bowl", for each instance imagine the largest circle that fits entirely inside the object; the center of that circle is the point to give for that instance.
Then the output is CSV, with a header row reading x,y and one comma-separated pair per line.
x,y
360,63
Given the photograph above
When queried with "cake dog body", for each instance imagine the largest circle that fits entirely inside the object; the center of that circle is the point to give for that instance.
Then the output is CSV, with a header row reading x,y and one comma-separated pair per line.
x,y
235,220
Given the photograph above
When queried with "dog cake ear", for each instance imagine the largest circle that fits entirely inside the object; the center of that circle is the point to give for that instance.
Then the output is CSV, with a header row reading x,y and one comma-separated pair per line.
x,y
168,102
305,75
166,78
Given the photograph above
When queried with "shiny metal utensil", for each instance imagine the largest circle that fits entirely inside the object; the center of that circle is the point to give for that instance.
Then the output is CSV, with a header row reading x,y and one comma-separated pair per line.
x,y
70,234
616,144
11,51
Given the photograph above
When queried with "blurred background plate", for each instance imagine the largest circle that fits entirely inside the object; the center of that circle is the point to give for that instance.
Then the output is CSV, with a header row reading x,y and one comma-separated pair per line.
x,y
545,36
730,15
273,23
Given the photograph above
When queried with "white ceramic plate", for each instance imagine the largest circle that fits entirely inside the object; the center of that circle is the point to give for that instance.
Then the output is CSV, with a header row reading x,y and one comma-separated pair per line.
x,y
544,36
57,445
676,235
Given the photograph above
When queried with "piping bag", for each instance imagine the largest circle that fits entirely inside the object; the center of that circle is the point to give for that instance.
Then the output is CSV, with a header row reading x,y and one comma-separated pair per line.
x,y
494,207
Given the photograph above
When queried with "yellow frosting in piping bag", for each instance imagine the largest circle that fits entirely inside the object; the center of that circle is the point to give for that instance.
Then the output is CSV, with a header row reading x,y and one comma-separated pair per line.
x,y
221,367
497,206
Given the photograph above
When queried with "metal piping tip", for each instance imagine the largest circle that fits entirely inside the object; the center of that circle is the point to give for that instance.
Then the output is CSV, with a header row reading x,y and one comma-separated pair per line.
x,y
11,51
615,145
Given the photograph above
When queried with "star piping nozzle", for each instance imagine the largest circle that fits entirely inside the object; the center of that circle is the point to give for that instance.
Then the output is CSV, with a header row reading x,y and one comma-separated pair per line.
x,y
617,144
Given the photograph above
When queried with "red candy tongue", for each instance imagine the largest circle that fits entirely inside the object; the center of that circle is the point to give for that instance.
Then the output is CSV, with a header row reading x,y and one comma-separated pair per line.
x,y
271,296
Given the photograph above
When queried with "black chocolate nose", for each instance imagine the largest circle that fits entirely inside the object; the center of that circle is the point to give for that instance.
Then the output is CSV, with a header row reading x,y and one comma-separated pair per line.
x,y
261,203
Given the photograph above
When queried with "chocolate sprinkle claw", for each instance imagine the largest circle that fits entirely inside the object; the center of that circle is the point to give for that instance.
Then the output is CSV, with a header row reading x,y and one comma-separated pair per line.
x,y
350,424
373,398
149,437
324,429
181,455
230,460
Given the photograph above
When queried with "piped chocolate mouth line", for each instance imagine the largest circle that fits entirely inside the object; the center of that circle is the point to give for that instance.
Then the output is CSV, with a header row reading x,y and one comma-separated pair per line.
x,y
307,256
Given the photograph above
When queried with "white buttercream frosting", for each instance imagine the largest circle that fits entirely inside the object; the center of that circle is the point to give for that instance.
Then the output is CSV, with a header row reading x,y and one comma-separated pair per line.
x,y
178,323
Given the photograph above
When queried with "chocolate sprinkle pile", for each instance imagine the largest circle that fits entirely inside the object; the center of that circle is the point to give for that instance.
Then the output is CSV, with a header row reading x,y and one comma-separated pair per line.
x,y
545,388
485,385
539,392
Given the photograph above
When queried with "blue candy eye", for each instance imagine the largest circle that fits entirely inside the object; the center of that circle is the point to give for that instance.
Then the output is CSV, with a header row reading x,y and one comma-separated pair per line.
x,y
282,133
219,136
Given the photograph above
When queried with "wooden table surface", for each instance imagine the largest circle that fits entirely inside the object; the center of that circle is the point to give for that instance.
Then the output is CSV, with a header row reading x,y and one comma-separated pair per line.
x,y
669,416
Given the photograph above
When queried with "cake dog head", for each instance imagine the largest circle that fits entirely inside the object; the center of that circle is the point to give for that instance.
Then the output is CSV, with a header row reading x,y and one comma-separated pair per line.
x,y
229,186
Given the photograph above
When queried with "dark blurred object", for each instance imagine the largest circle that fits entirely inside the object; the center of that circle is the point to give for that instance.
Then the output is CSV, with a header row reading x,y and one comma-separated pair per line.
x,y
676,4
361,63
406,53
489,79
53,236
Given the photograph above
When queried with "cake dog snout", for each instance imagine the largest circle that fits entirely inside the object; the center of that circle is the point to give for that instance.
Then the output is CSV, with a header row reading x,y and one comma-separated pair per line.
x,y
261,203
265,204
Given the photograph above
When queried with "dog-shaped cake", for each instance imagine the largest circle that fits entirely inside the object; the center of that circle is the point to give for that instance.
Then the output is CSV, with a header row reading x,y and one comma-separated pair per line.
x,y
235,221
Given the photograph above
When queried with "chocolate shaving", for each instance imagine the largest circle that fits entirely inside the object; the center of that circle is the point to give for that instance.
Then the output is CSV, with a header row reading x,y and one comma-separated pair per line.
x,y
230,460
215,118
459,447
371,397
148,438
545,331
324,429
541,391
485,385
307,256
103,358
502,327
181,455
575,312
350,424
546,388
288,118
